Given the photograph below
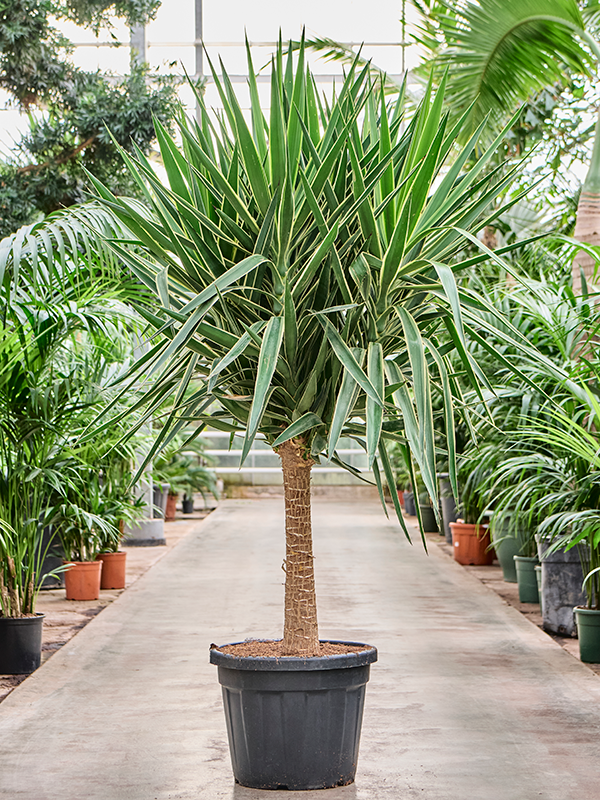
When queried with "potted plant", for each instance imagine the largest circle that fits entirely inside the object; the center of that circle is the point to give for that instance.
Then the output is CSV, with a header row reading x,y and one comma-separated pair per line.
x,y
470,536
21,556
556,478
588,617
428,518
448,504
184,475
83,534
116,510
304,273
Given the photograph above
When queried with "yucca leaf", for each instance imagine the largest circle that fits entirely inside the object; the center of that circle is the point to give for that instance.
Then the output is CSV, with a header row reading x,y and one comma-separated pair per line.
x,y
267,361
391,482
305,423
238,348
344,354
422,392
376,375
345,402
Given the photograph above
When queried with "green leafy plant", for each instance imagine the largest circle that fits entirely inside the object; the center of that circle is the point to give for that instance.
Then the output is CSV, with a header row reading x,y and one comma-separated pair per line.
x,y
64,324
46,169
22,555
305,270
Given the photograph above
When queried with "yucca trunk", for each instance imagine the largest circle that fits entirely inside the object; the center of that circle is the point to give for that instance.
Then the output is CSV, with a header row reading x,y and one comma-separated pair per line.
x,y
587,226
300,631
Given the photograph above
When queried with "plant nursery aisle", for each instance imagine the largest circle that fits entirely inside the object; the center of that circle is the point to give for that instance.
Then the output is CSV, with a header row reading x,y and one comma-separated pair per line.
x,y
468,698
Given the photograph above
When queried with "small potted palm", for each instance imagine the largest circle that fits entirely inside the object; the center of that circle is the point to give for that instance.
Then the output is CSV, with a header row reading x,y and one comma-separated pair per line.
x,y
83,534
184,475
470,534
305,273
555,483
22,554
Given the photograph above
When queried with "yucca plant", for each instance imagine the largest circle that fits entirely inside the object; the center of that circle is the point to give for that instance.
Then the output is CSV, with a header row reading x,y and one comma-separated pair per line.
x,y
304,270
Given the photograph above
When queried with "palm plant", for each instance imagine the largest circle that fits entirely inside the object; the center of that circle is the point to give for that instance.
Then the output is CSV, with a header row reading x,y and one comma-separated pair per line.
x,y
179,467
558,473
501,53
60,305
304,269
497,55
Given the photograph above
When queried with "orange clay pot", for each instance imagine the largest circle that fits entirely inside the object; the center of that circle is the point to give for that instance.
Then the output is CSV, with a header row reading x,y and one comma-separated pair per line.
x,y
82,580
113,570
171,506
470,543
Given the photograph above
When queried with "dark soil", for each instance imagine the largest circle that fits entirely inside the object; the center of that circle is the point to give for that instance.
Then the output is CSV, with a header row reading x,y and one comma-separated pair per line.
x,y
271,648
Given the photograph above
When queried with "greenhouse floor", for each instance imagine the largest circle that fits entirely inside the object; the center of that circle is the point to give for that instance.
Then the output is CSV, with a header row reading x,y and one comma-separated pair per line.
x,y
469,699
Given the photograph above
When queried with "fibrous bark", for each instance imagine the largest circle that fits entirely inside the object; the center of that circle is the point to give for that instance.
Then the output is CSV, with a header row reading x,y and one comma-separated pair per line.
x,y
300,632
587,226
587,229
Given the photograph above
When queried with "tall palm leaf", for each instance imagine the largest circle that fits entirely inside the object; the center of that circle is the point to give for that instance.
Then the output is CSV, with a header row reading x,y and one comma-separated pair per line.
x,y
500,53
304,270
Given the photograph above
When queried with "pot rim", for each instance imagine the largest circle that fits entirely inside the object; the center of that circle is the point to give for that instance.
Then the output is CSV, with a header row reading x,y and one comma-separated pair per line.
x,y
527,558
461,522
295,663
38,615
586,610
103,555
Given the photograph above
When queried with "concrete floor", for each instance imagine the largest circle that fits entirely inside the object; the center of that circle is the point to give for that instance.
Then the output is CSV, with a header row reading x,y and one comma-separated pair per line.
x,y
469,700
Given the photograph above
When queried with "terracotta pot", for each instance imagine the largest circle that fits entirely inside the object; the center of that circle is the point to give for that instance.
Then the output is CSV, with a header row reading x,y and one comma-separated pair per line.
x,y
113,570
170,507
82,580
401,497
470,543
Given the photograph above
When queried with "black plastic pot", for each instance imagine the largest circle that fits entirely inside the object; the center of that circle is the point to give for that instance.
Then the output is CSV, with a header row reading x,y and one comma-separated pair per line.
x,y
20,644
54,559
448,504
187,505
428,518
294,723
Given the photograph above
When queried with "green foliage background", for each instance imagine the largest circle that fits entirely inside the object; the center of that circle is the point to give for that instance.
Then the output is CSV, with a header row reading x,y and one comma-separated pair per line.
x,y
46,170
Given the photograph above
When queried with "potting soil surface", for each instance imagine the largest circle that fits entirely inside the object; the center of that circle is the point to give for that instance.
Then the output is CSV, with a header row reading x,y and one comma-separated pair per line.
x,y
469,699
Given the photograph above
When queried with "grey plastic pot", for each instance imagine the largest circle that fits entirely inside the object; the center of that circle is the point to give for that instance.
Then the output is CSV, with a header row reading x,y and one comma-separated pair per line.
x,y
526,578
294,723
562,577
409,504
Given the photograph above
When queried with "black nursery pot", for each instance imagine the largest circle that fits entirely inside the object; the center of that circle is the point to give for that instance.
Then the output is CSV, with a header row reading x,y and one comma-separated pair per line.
x,y
187,506
294,723
20,644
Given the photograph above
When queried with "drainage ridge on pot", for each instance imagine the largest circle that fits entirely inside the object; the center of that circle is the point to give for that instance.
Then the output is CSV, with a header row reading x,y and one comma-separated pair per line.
x,y
294,723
